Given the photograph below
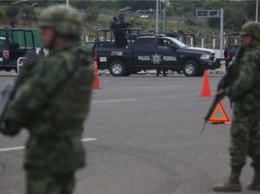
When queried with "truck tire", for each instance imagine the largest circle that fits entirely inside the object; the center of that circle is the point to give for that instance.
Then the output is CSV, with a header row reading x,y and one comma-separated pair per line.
x,y
190,68
117,68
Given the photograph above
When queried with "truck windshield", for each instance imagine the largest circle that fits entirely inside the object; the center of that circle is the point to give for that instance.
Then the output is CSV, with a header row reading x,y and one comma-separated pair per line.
x,y
177,42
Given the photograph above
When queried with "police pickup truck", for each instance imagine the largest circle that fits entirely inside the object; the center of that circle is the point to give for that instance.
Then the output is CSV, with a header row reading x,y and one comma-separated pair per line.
x,y
153,53
14,45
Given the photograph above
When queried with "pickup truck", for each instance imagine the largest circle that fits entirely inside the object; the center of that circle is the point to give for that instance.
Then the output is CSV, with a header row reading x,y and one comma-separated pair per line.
x,y
14,45
153,53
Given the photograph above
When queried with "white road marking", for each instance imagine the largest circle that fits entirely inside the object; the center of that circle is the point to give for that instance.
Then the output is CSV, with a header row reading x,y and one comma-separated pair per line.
x,y
118,100
11,149
83,140
89,139
22,147
148,87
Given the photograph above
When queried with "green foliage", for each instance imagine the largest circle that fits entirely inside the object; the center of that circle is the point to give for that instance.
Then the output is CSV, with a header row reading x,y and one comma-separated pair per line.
x,y
2,12
250,7
28,12
182,7
137,5
190,22
181,14
190,19
233,18
12,11
214,4
91,14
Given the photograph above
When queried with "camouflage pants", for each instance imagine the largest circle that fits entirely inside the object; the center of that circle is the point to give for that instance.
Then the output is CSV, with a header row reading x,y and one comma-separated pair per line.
x,y
245,138
40,182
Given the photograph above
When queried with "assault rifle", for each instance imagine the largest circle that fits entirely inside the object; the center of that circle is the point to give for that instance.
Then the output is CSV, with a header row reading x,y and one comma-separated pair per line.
x,y
6,96
9,92
223,84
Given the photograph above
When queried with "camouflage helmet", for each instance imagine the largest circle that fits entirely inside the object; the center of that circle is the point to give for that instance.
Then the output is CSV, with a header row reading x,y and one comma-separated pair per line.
x,y
251,28
65,20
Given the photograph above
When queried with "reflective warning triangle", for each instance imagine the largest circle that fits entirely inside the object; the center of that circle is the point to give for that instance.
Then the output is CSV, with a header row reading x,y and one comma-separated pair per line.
x,y
219,109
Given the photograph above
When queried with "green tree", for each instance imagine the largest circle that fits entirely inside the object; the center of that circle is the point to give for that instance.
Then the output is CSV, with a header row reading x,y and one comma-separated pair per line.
x,y
12,11
28,12
180,7
2,12
214,5
250,7
234,17
137,5
91,14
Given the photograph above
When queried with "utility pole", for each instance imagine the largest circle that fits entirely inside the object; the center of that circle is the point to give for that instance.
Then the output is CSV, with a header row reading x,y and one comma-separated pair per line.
x,y
67,3
256,11
221,31
164,18
212,14
157,17
19,15
166,3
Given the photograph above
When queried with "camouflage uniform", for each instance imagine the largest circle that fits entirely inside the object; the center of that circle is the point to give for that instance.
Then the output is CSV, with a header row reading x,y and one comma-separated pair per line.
x,y
244,92
53,110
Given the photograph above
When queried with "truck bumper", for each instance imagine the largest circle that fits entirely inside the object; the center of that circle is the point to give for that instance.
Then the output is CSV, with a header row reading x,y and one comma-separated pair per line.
x,y
102,66
212,64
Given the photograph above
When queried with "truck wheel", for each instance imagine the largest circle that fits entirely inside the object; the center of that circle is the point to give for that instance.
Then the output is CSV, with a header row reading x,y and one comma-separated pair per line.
x,y
190,68
117,68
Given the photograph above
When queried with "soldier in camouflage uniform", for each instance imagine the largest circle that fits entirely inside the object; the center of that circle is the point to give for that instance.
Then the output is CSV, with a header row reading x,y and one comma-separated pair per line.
x,y
52,103
244,92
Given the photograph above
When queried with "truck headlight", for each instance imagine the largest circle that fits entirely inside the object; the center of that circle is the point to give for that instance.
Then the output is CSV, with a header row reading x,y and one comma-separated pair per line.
x,y
205,56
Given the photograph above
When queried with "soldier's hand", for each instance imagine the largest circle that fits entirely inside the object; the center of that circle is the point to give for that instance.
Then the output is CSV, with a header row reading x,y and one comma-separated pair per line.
x,y
8,129
221,93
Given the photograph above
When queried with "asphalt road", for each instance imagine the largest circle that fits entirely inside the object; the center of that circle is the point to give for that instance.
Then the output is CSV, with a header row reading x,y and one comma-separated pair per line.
x,y
142,137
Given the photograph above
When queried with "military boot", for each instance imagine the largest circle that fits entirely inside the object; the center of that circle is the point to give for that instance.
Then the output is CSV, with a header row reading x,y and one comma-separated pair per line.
x,y
232,184
255,184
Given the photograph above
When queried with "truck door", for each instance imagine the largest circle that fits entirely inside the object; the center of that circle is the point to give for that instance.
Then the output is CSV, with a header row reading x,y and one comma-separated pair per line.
x,y
168,53
144,53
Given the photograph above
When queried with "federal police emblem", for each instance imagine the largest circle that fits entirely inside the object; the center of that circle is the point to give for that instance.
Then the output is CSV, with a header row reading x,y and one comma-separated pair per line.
x,y
156,59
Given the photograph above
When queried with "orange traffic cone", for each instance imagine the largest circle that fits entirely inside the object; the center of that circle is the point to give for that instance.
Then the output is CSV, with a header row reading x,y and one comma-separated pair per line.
x,y
95,84
205,90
